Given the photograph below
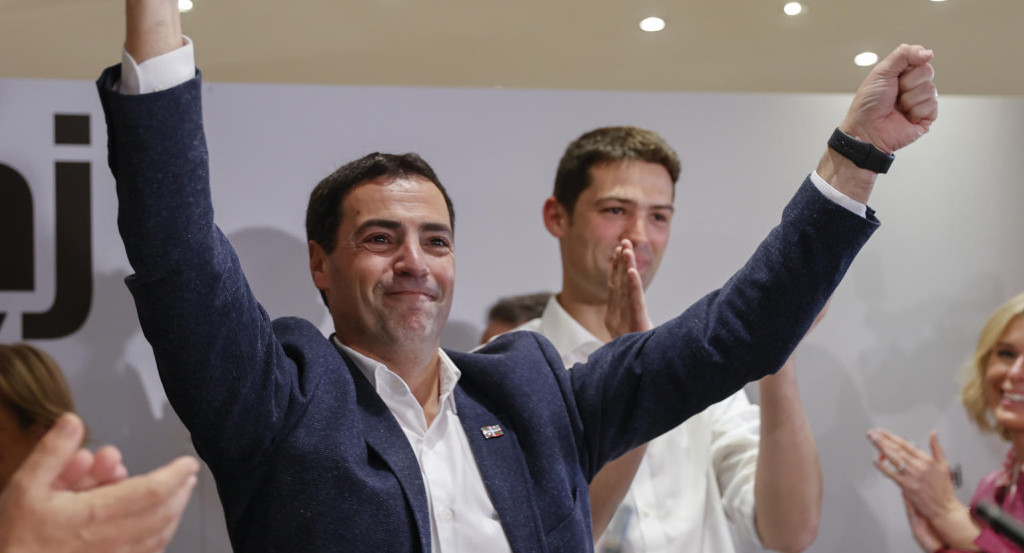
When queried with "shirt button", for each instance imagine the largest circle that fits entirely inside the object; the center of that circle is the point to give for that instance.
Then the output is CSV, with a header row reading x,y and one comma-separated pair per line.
x,y
429,442
447,514
646,513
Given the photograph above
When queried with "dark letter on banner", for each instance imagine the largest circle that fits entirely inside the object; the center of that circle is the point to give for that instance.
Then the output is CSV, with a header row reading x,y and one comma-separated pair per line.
x,y
17,248
73,296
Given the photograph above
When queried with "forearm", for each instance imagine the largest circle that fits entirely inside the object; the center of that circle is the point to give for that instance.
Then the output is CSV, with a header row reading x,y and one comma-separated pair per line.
x,y
788,483
610,486
152,28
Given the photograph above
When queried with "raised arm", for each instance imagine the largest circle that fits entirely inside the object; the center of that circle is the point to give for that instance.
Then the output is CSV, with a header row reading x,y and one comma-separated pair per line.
x,y
627,312
221,364
152,28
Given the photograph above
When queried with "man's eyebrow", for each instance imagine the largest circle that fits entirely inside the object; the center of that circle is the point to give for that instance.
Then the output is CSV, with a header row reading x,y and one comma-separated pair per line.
x,y
629,201
435,227
389,224
378,223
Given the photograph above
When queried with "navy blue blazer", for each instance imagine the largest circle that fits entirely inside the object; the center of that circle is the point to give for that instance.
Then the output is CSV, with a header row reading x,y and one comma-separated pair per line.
x,y
305,454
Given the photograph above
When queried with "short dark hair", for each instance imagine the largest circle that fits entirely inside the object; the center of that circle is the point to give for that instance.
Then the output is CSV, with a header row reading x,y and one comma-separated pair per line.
x,y
516,310
323,215
609,145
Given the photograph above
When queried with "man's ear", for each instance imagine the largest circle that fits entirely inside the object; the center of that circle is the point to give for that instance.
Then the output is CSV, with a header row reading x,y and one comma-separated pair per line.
x,y
556,218
318,265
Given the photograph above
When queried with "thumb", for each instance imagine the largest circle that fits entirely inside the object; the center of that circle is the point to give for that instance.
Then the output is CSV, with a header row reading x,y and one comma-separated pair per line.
x,y
56,448
937,452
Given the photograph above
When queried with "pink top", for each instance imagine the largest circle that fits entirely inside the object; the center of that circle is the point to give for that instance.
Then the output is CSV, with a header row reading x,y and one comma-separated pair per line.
x,y
1000,487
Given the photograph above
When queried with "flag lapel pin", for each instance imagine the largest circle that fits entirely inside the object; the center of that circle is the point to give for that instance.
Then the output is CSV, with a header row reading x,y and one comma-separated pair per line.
x,y
492,431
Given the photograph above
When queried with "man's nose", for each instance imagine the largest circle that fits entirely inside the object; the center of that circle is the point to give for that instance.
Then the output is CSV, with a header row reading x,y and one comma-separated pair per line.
x,y
411,260
636,231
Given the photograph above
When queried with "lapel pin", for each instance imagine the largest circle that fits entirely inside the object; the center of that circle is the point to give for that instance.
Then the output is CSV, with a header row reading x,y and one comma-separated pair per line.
x,y
492,431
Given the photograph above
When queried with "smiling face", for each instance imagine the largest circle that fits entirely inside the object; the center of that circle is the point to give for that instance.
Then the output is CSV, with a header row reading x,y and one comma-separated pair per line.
x,y
390,277
625,199
1004,378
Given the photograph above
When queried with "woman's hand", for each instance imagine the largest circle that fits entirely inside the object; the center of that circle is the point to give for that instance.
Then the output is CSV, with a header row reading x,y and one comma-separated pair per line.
x,y
924,534
927,488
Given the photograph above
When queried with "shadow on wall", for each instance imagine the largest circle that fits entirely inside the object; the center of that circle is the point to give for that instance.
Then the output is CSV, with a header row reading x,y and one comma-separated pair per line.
x,y
461,335
905,378
118,392
921,350
845,455
276,265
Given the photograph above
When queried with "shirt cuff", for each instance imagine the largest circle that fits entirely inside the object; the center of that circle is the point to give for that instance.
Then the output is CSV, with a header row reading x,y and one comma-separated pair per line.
x,y
155,74
838,197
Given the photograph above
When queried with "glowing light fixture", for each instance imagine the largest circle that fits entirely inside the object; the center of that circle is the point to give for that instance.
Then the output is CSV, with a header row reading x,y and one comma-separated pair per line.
x,y
652,24
865,59
185,6
938,0
792,8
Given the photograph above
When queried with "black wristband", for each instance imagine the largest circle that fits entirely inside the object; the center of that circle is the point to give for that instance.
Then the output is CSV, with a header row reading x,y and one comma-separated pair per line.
x,y
862,154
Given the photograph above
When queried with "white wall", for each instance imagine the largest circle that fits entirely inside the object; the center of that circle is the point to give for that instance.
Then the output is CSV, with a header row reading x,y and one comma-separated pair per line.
x,y
901,325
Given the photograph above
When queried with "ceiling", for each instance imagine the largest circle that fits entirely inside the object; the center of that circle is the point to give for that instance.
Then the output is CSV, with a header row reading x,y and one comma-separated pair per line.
x,y
714,45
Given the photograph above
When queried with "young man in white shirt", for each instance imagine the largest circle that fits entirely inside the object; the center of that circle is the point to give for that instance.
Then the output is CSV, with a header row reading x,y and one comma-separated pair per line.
x,y
757,469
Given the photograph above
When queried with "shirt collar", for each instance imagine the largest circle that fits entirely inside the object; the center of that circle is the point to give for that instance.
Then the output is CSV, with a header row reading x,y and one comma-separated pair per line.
x,y
387,383
566,333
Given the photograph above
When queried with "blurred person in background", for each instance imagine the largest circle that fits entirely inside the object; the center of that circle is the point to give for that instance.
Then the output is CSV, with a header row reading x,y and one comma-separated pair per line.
x,y
512,311
33,395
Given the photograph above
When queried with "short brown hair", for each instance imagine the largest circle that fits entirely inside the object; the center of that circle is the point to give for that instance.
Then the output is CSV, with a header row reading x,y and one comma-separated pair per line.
x,y
609,145
973,391
32,386
516,310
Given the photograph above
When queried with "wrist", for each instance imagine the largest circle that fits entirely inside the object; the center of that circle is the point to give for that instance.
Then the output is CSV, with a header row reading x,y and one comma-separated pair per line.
x,y
843,175
956,527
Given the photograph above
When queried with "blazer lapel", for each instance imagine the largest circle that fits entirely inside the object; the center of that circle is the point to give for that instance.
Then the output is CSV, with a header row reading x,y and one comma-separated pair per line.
x,y
503,469
385,437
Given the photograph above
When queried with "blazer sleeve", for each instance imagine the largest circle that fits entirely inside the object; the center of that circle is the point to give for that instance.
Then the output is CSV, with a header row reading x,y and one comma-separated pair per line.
x,y
639,386
225,373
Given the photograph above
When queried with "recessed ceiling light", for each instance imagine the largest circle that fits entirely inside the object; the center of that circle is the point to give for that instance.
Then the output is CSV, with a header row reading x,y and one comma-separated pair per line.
x,y
792,8
185,6
652,24
865,59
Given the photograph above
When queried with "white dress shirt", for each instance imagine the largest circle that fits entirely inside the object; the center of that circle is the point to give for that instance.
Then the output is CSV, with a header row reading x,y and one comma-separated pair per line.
x,y
693,480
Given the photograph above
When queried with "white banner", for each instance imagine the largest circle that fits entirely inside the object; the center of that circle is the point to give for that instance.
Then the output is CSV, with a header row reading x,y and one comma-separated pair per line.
x,y
900,328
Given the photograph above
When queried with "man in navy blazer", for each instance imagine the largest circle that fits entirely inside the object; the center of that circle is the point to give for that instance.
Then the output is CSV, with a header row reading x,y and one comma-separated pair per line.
x,y
376,439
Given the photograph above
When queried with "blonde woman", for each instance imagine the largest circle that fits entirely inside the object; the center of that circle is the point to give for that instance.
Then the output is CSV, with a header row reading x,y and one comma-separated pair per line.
x,y
993,395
